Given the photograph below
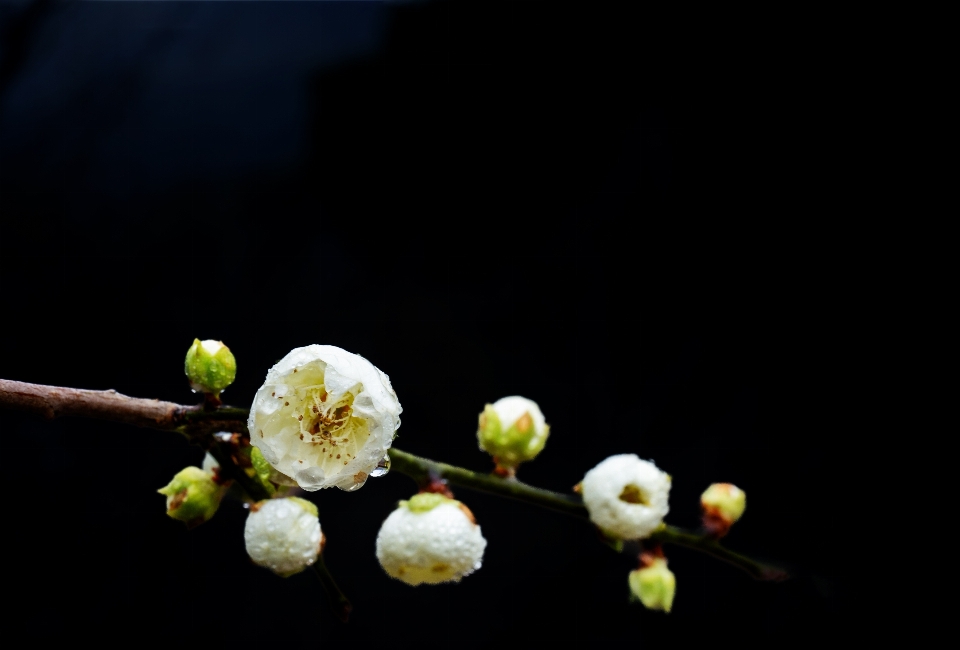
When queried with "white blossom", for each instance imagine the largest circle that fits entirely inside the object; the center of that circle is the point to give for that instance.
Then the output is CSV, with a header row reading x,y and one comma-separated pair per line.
x,y
430,539
283,535
626,497
324,417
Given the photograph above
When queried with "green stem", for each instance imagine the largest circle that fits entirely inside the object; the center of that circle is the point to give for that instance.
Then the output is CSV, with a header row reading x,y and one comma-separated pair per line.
x,y
340,603
422,470
708,545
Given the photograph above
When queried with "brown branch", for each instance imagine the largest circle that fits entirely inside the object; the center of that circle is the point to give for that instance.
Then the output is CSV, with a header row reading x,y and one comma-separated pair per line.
x,y
54,401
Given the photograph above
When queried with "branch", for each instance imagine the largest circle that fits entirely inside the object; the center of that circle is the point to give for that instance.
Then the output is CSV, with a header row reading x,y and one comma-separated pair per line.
x,y
51,402
197,422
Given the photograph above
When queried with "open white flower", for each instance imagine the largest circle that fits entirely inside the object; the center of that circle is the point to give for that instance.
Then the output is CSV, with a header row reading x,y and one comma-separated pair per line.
x,y
324,417
626,497
430,539
283,535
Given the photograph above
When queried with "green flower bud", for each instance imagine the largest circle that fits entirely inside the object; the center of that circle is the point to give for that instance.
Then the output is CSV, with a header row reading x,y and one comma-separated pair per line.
x,y
210,366
722,504
654,585
192,496
512,430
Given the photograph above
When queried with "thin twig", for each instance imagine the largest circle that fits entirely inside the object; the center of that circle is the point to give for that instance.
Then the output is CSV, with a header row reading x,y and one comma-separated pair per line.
x,y
340,603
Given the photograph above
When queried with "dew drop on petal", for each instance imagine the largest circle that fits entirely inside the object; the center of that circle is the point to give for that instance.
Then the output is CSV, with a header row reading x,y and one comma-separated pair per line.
x,y
355,487
382,467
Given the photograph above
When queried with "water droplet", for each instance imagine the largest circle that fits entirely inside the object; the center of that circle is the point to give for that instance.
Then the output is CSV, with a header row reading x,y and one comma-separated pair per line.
x,y
355,486
382,467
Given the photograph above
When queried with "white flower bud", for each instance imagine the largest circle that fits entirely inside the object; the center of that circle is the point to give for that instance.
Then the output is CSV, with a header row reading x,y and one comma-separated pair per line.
x,y
283,535
430,539
513,430
324,417
626,497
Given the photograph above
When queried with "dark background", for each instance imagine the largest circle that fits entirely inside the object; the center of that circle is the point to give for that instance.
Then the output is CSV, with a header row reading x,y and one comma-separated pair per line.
x,y
613,214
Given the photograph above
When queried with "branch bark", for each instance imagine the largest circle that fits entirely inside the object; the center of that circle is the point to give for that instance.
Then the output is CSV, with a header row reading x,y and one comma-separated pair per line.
x,y
51,402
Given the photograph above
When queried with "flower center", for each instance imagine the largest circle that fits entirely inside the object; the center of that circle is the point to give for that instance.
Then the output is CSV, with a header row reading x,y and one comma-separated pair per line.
x,y
332,433
322,419
633,494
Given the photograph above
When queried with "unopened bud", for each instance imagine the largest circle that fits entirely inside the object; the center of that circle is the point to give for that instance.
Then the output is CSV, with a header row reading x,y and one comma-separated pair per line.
x,y
210,366
722,504
430,539
192,496
283,535
654,585
512,430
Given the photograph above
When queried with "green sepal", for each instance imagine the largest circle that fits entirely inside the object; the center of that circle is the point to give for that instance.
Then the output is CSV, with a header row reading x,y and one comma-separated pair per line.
x,y
262,470
425,501
309,506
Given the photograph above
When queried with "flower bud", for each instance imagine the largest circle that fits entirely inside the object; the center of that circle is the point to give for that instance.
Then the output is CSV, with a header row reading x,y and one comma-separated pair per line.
x,y
324,417
430,539
512,430
654,585
210,366
626,497
283,535
192,496
722,504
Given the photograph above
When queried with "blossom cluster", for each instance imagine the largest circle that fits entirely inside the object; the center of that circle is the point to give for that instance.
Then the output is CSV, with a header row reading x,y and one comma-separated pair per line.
x,y
325,417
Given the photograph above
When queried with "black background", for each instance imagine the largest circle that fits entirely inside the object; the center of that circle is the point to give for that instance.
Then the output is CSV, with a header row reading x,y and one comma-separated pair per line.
x,y
613,214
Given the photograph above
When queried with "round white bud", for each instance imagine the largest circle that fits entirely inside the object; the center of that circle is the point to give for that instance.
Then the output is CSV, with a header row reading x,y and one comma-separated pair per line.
x,y
283,535
430,539
626,497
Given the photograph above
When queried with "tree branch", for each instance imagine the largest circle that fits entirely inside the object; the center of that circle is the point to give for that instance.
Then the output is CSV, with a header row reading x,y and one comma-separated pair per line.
x,y
51,402
197,422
